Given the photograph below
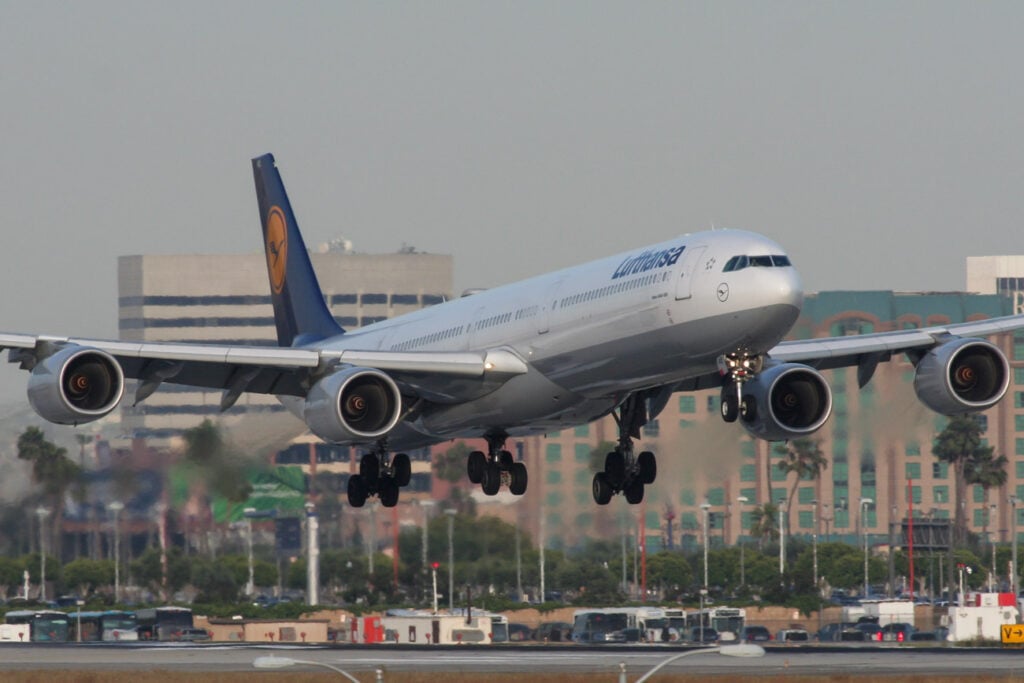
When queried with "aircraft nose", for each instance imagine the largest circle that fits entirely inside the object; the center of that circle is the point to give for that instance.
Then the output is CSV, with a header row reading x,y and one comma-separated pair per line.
x,y
788,288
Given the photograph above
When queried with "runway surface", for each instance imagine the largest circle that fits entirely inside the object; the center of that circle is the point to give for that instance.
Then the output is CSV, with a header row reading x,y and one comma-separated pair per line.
x,y
864,661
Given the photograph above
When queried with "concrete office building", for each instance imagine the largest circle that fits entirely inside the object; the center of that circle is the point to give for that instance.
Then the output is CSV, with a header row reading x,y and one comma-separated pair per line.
x,y
225,299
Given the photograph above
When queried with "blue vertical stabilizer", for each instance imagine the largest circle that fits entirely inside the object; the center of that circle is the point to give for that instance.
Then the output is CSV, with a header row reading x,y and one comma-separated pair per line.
x,y
300,312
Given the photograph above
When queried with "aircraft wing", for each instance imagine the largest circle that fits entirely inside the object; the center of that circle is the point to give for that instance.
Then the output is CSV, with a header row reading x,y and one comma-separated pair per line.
x,y
836,352
446,376
866,350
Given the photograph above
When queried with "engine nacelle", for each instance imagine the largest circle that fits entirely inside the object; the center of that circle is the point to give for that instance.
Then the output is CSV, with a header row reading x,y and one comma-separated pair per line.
x,y
962,376
784,402
353,405
75,385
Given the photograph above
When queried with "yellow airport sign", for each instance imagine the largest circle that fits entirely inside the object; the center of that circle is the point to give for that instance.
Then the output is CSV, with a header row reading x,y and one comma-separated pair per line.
x,y
1013,633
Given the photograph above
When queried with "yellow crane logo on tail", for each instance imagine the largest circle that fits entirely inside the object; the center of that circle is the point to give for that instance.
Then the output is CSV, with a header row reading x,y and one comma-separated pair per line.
x,y
277,247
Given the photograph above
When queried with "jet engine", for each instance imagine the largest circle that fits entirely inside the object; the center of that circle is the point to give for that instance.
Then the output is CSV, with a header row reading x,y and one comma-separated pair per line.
x,y
75,385
353,405
962,376
784,402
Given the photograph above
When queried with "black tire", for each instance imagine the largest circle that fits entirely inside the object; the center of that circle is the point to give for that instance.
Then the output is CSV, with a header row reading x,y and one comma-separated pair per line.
x,y
730,405
356,491
402,469
648,466
369,470
388,492
634,492
505,459
520,478
748,408
602,490
491,481
615,468
475,465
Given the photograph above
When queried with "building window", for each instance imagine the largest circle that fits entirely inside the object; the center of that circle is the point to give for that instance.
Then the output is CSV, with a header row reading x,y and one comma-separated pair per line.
x,y
979,493
583,431
583,452
749,473
940,470
687,404
913,470
805,519
553,452
915,494
805,494
554,477
652,429
940,494
912,448
716,496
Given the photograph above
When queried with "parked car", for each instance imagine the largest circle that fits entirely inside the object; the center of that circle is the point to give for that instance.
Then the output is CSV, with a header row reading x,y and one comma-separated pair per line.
x,y
755,634
192,635
708,634
519,632
872,631
555,632
793,635
899,632
840,632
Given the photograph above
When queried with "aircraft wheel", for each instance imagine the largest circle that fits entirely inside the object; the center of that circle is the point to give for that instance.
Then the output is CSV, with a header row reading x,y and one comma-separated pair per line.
x,y
730,406
505,459
648,466
615,468
519,479
634,492
748,408
369,469
475,465
388,492
602,489
356,491
402,469
491,481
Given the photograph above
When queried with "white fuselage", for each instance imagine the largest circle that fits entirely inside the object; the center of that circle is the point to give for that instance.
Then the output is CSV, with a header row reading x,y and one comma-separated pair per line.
x,y
595,333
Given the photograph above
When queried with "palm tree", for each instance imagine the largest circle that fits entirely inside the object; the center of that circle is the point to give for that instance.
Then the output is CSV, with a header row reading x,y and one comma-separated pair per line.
x,y
52,469
763,523
987,471
959,444
805,459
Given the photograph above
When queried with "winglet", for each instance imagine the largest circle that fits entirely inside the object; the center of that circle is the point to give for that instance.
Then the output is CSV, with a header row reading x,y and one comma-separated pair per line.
x,y
300,312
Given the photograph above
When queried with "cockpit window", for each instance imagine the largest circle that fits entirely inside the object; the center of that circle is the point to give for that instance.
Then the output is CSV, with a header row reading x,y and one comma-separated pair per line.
x,y
743,261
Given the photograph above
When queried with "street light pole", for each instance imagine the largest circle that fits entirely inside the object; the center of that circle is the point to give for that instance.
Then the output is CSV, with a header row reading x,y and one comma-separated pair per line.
x,y
312,555
992,544
742,500
42,512
451,558
250,587
116,507
782,538
814,539
704,507
864,502
1013,530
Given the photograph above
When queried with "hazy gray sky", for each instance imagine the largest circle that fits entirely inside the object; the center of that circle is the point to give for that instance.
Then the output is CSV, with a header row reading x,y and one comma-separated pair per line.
x,y
879,142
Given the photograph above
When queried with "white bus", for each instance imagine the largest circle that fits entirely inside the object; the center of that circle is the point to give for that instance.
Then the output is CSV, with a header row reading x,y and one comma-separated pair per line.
x,y
618,625
726,620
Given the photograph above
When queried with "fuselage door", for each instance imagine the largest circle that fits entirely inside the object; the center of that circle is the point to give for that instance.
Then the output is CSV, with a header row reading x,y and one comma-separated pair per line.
x,y
547,307
690,265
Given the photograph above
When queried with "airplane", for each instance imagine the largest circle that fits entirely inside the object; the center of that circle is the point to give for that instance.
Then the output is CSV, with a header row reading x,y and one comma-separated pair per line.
x,y
617,336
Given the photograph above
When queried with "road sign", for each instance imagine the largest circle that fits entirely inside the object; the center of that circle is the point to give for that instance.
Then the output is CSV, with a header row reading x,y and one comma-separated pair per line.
x,y
1013,633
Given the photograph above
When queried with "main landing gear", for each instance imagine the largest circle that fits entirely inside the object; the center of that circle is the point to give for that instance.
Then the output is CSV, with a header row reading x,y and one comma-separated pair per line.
x,y
625,472
496,467
380,477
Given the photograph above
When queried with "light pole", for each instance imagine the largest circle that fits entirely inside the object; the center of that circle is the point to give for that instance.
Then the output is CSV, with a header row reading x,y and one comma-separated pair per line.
x,y
115,507
992,545
312,555
273,662
250,587
42,512
1013,530
739,650
704,507
814,539
742,500
864,502
451,557
782,538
